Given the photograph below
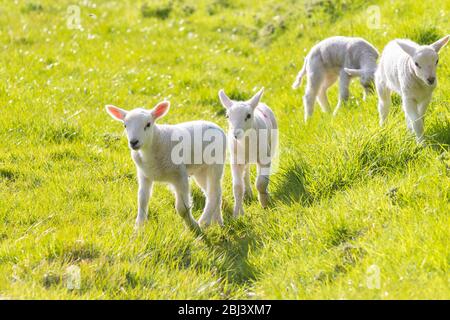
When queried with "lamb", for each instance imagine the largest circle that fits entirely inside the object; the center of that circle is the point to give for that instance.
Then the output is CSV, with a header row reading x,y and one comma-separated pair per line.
x,y
153,150
343,57
409,70
252,139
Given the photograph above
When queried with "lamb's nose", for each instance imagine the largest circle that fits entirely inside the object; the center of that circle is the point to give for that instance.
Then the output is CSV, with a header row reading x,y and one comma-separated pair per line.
x,y
431,80
134,143
238,134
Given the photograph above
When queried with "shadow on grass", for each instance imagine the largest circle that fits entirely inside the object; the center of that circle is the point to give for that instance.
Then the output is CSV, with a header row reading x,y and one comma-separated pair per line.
x,y
233,247
231,244
362,158
439,134
291,187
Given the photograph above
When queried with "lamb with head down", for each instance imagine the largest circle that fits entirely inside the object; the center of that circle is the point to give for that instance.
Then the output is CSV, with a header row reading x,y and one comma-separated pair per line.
x,y
333,58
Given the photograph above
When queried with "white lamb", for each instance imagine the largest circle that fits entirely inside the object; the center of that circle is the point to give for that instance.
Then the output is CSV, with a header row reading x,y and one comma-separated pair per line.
x,y
334,57
409,70
252,138
152,149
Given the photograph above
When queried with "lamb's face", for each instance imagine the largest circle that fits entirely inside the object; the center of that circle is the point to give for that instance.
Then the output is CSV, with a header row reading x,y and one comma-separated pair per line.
x,y
240,113
424,63
424,59
240,119
367,80
139,125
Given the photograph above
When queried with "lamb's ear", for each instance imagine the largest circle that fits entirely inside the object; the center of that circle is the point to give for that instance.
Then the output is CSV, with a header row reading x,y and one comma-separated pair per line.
x,y
160,110
438,45
226,102
410,50
116,113
353,72
254,101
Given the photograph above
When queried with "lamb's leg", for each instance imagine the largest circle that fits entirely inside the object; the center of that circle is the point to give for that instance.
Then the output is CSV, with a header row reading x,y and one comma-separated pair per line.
x,y
183,203
262,183
422,108
344,82
238,188
384,101
416,120
211,185
215,194
312,88
323,100
144,193
322,95
408,122
201,179
248,194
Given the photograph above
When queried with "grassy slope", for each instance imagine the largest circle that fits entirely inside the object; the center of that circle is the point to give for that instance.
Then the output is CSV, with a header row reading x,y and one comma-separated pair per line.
x,y
347,194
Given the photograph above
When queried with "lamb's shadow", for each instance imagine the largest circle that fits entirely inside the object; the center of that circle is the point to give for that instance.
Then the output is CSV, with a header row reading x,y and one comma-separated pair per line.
x,y
439,134
232,248
290,186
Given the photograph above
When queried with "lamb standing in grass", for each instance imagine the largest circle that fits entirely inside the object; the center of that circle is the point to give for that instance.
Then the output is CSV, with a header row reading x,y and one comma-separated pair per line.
x,y
409,70
342,57
152,148
252,139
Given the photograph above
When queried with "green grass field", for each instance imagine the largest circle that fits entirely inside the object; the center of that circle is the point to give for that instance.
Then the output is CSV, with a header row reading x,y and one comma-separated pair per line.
x,y
351,200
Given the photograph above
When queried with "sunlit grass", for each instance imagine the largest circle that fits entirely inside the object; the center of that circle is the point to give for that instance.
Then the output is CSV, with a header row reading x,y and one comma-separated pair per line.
x,y
347,195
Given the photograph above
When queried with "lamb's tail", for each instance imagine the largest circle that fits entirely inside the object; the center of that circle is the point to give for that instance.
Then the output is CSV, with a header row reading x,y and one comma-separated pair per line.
x,y
298,79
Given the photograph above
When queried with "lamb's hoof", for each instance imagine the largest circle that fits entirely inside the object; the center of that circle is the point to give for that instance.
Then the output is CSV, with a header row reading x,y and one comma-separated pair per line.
x,y
264,199
195,227
140,222
421,142
238,212
220,223
204,223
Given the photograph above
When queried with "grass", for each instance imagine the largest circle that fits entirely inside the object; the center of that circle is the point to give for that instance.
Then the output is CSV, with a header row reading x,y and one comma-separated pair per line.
x,y
348,195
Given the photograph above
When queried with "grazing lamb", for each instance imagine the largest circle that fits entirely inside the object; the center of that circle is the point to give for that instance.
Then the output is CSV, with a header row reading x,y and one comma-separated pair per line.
x,y
409,70
153,149
342,57
252,139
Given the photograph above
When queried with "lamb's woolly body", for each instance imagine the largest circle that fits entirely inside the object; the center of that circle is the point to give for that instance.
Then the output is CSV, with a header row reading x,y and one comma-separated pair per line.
x,y
333,58
399,71
259,131
155,159
154,162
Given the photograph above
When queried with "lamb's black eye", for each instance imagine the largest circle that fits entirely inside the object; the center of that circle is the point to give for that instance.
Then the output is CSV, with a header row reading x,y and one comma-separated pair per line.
x,y
437,61
248,117
124,125
147,126
417,65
